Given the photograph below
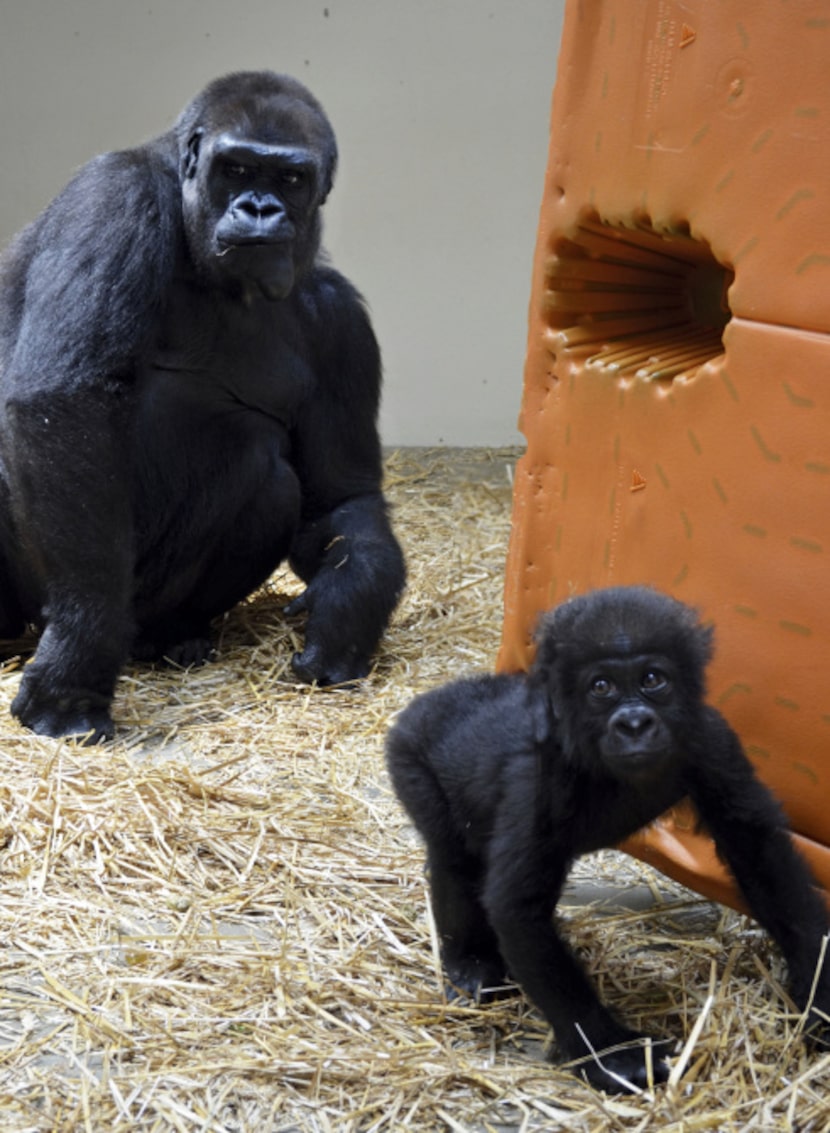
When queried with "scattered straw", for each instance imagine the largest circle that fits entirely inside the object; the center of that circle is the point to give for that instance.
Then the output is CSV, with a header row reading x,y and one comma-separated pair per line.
x,y
219,921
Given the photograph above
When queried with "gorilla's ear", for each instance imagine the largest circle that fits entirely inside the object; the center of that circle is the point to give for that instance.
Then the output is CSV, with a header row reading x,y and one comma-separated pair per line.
x,y
543,678
540,713
191,155
328,171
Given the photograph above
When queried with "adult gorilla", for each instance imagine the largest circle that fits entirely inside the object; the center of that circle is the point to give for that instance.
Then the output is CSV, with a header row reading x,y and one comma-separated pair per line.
x,y
189,396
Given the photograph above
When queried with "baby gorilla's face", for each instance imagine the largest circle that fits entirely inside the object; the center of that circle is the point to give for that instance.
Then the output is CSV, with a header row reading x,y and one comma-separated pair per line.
x,y
628,713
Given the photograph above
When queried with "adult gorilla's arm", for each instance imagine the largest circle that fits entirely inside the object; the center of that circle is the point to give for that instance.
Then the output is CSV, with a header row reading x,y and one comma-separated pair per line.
x,y
345,549
94,267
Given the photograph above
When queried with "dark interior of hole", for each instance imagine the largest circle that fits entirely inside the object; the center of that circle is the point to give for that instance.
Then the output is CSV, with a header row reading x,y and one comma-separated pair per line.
x,y
707,286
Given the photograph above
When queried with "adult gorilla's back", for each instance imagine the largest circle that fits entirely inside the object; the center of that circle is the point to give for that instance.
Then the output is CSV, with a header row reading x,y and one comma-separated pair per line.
x,y
189,396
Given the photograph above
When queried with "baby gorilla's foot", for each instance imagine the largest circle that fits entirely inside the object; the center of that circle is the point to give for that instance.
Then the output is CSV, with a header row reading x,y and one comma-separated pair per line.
x,y
478,979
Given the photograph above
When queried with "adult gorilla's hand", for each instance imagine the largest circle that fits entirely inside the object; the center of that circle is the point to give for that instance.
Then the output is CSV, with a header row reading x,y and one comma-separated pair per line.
x,y
328,658
79,713
354,574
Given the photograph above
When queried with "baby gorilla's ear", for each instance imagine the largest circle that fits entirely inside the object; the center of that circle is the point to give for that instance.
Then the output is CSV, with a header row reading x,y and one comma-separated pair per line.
x,y
540,711
543,679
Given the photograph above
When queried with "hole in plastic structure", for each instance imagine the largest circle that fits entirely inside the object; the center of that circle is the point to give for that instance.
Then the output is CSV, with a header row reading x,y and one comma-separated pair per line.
x,y
635,302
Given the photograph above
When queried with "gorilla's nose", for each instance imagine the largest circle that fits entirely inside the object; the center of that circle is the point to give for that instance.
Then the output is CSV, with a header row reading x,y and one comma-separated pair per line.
x,y
633,721
257,208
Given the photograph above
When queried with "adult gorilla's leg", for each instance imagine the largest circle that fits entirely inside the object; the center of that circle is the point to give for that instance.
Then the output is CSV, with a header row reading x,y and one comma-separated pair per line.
x,y
13,617
219,554
70,550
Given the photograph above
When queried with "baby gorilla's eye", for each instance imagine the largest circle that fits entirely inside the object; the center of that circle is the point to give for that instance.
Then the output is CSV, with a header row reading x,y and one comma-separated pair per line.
x,y
653,681
602,687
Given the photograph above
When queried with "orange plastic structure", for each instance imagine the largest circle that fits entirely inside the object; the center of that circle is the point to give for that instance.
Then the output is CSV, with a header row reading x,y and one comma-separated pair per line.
x,y
677,384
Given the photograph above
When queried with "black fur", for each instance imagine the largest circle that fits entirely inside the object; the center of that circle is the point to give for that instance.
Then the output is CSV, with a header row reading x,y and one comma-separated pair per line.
x,y
510,778
188,396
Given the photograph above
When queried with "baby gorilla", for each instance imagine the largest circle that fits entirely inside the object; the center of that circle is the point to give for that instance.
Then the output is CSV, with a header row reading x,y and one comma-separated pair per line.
x,y
510,778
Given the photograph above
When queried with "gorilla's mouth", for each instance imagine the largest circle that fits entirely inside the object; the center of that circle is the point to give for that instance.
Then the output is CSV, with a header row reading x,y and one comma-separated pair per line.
x,y
637,763
255,240
230,244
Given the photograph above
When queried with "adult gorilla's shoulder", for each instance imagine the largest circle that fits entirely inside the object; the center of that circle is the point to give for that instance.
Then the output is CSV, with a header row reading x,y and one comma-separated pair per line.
x,y
96,266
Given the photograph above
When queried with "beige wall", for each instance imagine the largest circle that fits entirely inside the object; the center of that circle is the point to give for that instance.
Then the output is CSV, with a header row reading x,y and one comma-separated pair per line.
x,y
441,110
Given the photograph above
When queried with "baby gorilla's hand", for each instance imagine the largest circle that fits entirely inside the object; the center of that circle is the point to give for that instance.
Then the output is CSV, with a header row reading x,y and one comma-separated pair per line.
x,y
638,1065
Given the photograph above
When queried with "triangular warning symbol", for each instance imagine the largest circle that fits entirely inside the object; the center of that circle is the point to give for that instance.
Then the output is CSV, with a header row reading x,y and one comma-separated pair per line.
x,y
687,35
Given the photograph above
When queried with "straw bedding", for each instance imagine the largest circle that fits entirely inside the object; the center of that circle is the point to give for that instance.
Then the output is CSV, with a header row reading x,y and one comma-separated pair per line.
x,y
219,921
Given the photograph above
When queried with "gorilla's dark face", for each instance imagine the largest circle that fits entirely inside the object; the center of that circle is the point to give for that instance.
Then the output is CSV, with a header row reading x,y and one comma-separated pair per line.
x,y
624,670
253,179
630,713
249,209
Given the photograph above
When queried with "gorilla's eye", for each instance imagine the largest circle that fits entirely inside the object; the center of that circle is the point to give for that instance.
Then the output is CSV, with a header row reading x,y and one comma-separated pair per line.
x,y
602,687
236,171
653,681
292,177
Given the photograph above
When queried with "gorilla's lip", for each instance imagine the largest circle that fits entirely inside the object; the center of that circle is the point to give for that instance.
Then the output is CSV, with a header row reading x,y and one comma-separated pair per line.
x,y
643,756
629,751
637,761
257,240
